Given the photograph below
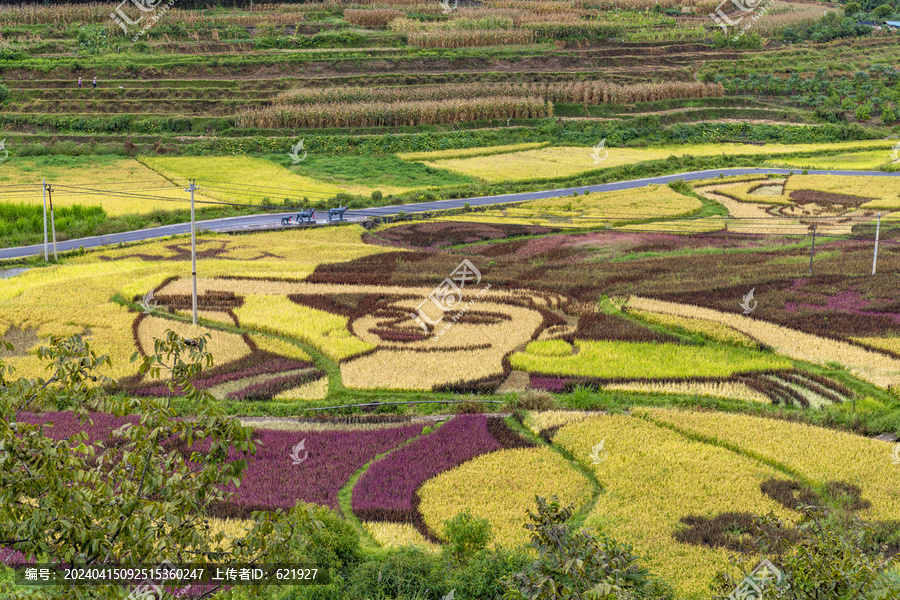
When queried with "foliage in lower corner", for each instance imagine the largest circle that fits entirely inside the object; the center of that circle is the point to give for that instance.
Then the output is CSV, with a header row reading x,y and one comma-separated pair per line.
x,y
838,556
577,564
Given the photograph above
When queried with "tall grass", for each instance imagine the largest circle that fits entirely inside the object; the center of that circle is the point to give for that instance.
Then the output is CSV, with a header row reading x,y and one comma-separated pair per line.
x,y
19,223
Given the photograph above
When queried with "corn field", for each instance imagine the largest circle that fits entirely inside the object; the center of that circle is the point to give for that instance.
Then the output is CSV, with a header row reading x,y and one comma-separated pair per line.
x,y
577,92
392,114
468,39
405,25
374,17
54,14
98,12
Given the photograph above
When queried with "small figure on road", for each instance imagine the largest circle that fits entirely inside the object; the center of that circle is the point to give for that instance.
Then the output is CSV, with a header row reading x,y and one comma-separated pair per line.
x,y
95,81
79,81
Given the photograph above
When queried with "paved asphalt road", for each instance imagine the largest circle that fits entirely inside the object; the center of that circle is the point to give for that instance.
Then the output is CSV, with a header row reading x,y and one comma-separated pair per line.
x,y
270,219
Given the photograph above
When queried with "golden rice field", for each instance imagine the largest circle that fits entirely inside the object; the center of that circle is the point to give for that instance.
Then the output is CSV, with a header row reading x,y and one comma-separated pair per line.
x,y
729,390
711,329
119,185
593,210
756,192
874,367
652,478
522,473
325,331
538,421
240,178
850,161
41,300
394,535
818,454
884,191
565,161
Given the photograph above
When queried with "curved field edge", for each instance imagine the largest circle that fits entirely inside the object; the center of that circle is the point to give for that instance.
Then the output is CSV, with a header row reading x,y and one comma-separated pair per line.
x,y
345,495
652,478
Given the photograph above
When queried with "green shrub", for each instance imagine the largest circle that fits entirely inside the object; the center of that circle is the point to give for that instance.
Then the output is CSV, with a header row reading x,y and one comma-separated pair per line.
x,y
837,557
404,573
888,116
536,400
864,112
851,8
883,11
483,575
575,564
467,535
4,94
377,195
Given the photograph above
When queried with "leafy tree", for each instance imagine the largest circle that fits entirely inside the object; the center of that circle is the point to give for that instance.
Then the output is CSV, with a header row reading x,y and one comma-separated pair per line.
x,y
888,115
851,8
837,557
576,564
137,500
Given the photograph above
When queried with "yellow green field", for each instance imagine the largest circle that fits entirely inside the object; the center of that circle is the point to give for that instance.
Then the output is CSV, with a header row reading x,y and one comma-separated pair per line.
x,y
121,186
564,161
241,178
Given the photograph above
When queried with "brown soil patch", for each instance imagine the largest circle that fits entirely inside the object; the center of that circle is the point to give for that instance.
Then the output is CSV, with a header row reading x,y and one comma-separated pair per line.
x,y
21,339
828,199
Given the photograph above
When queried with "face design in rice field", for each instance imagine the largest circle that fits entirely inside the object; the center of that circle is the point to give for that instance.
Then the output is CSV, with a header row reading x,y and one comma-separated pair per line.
x,y
466,344
387,348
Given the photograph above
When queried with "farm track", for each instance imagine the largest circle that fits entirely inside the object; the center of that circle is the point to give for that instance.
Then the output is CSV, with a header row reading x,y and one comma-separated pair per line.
x,y
585,59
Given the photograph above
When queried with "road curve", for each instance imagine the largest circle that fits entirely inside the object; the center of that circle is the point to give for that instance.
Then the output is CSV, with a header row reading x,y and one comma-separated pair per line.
x,y
269,219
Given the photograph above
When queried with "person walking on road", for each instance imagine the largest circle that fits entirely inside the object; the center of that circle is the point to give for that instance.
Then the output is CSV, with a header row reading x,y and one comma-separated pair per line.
x,y
79,81
95,82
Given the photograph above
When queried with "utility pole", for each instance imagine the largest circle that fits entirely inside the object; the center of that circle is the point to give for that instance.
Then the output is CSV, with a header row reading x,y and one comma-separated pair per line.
x,y
813,250
191,189
44,189
52,220
875,256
